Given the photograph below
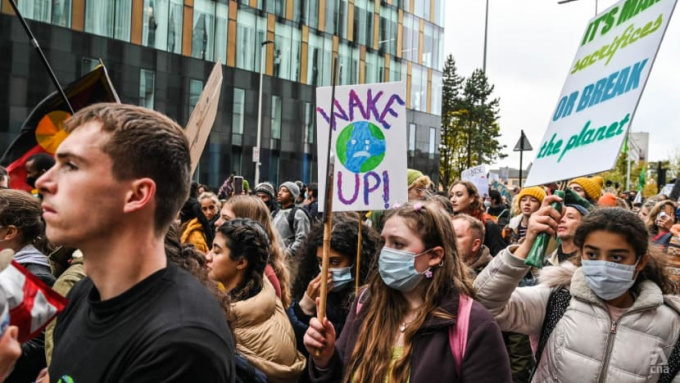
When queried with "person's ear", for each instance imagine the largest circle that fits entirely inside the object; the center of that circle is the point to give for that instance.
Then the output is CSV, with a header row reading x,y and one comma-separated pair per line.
x,y
436,256
241,264
476,245
139,195
11,232
641,265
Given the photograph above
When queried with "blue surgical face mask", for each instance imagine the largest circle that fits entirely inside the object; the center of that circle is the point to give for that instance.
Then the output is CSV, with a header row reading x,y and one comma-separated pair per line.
x,y
341,276
397,269
609,280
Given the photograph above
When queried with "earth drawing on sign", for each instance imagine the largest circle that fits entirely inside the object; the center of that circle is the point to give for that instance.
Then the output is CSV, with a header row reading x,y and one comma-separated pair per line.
x,y
360,147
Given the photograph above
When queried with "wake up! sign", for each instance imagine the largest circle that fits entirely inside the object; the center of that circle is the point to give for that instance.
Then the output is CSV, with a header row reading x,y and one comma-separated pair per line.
x,y
602,91
369,143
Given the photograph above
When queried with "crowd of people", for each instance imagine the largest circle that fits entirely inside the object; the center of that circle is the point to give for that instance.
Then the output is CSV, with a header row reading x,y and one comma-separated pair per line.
x,y
168,281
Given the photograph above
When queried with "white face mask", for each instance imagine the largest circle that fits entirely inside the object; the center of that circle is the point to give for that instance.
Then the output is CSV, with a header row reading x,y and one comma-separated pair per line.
x,y
609,280
398,270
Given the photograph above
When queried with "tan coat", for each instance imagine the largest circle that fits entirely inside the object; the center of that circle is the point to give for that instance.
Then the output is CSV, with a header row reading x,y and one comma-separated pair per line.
x,y
585,345
265,336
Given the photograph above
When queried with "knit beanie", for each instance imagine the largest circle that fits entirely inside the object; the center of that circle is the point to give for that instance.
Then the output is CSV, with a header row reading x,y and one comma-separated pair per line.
x,y
591,186
292,188
412,175
582,210
607,200
598,180
534,191
266,188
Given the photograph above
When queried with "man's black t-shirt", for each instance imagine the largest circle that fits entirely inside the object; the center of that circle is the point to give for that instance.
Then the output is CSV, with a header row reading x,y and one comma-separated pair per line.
x,y
167,328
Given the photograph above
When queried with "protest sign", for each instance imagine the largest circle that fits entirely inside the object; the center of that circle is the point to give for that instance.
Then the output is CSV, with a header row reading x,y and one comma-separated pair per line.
x,y
203,117
497,186
477,175
602,91
369,144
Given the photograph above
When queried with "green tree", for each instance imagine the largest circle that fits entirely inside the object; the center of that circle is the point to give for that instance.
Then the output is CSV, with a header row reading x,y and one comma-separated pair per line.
x,y
450,129
481,122
470,128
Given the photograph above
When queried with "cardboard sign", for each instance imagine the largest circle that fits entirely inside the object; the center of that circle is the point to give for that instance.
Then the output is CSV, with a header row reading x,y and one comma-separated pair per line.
x,y
369,143
602,91
477,175
203,117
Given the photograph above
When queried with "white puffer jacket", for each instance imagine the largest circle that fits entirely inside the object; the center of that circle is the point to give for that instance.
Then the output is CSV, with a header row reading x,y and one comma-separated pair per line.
x,y
585,346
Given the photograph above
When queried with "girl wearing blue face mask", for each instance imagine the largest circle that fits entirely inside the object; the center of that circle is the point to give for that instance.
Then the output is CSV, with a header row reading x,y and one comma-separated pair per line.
x,y
404,326
614,319
341,278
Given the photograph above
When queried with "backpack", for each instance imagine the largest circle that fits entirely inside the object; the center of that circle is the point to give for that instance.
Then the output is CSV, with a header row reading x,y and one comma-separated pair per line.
x,y
457,334
291,217
558,303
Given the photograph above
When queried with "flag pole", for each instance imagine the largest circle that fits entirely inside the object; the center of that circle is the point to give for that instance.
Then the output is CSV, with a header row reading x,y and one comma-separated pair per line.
x,y
35,44
328,207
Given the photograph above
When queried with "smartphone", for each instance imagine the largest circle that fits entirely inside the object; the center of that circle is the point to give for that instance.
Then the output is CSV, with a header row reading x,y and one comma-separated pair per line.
x,y
238,185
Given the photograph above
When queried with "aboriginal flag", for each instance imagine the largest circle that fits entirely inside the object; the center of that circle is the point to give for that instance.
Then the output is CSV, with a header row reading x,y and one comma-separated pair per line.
x,y
42,131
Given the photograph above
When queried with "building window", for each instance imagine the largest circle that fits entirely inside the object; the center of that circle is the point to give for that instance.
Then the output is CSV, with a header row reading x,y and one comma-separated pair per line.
x,y
439,49
437,86
57,12
395,69
88,65
336,17
250,34
348,61
297,10
203,30
287,52
363,22
411,139
422,9
276,117
221,27
428,45
162,26
239,111
109,18
418,88
195,89
411,39
309,123
147,80
433,143
372,72
319,60
311,13
280,8
439,12
388,30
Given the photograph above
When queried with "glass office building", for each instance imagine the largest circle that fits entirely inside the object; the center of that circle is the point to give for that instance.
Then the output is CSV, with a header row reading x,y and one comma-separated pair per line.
x,y
159,53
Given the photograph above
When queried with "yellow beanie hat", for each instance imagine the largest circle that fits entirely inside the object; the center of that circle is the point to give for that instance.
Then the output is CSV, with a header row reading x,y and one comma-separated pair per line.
x,y
592,186
534,191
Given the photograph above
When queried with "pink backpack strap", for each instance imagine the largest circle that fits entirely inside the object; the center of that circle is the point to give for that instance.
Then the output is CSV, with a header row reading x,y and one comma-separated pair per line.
x,y
359,303
458,334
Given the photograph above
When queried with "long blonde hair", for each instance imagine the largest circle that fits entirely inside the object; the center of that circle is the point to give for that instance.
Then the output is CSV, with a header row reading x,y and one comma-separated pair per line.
x,y
384,309
245,206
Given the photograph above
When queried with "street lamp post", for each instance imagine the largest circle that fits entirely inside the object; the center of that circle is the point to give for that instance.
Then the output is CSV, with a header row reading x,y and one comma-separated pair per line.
x,y
486,32
256,150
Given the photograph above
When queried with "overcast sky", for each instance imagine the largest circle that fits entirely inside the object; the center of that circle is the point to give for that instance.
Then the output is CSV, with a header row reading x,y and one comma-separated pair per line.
x,y
531,45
